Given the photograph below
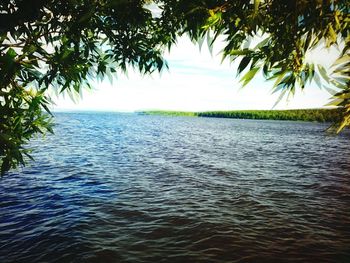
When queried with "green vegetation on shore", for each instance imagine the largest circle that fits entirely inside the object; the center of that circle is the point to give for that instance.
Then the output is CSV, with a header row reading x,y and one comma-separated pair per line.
x,y
169,113
318,115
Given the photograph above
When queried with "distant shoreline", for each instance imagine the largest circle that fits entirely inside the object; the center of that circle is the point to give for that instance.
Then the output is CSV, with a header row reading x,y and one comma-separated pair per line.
x,y
313,115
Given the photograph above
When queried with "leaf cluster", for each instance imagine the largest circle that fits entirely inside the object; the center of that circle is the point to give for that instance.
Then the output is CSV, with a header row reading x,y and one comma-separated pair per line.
x,y
61,45
287,29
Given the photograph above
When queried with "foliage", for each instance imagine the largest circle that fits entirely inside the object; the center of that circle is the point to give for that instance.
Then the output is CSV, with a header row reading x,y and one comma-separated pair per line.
x,y
287,30
21,117
318,115
61,45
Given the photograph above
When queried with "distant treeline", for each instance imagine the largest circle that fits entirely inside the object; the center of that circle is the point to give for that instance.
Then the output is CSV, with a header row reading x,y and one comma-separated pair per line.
x,y
318,115
170,113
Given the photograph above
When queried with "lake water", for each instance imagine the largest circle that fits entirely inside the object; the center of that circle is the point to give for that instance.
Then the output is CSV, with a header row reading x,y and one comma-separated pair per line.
x,y
129,188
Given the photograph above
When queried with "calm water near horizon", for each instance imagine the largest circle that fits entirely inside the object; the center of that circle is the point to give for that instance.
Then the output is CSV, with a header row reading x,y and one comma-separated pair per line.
x,y
129,188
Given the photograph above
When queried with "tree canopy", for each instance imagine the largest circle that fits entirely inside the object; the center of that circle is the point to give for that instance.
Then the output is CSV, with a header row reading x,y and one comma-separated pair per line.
x,y
64,44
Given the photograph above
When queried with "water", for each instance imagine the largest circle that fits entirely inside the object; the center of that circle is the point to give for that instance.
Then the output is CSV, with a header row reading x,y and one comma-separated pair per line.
x,y
129,188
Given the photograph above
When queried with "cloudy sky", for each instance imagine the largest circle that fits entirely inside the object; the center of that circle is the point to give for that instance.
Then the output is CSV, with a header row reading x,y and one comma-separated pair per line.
x,y
197,80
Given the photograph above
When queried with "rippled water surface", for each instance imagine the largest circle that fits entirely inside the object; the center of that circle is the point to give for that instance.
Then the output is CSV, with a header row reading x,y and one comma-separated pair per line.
x,y
129,188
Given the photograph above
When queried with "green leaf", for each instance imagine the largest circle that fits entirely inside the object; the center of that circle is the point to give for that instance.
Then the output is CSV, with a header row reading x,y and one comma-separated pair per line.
x,y
239,52
338,84
332,33
237,22
11,53
341,60
317,80
311,72
262,43
249,76
243,64
279,79
323,73
330,90
334,102
256,5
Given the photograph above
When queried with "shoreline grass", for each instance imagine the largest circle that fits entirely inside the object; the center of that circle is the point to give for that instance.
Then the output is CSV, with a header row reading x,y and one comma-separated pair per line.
x,y
312,115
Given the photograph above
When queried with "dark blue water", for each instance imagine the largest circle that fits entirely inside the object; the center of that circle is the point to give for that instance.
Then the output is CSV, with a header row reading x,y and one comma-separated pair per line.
x,y
129,188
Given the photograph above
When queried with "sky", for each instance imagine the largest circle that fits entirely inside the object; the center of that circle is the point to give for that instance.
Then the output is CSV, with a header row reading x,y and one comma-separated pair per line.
x,y
197,80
